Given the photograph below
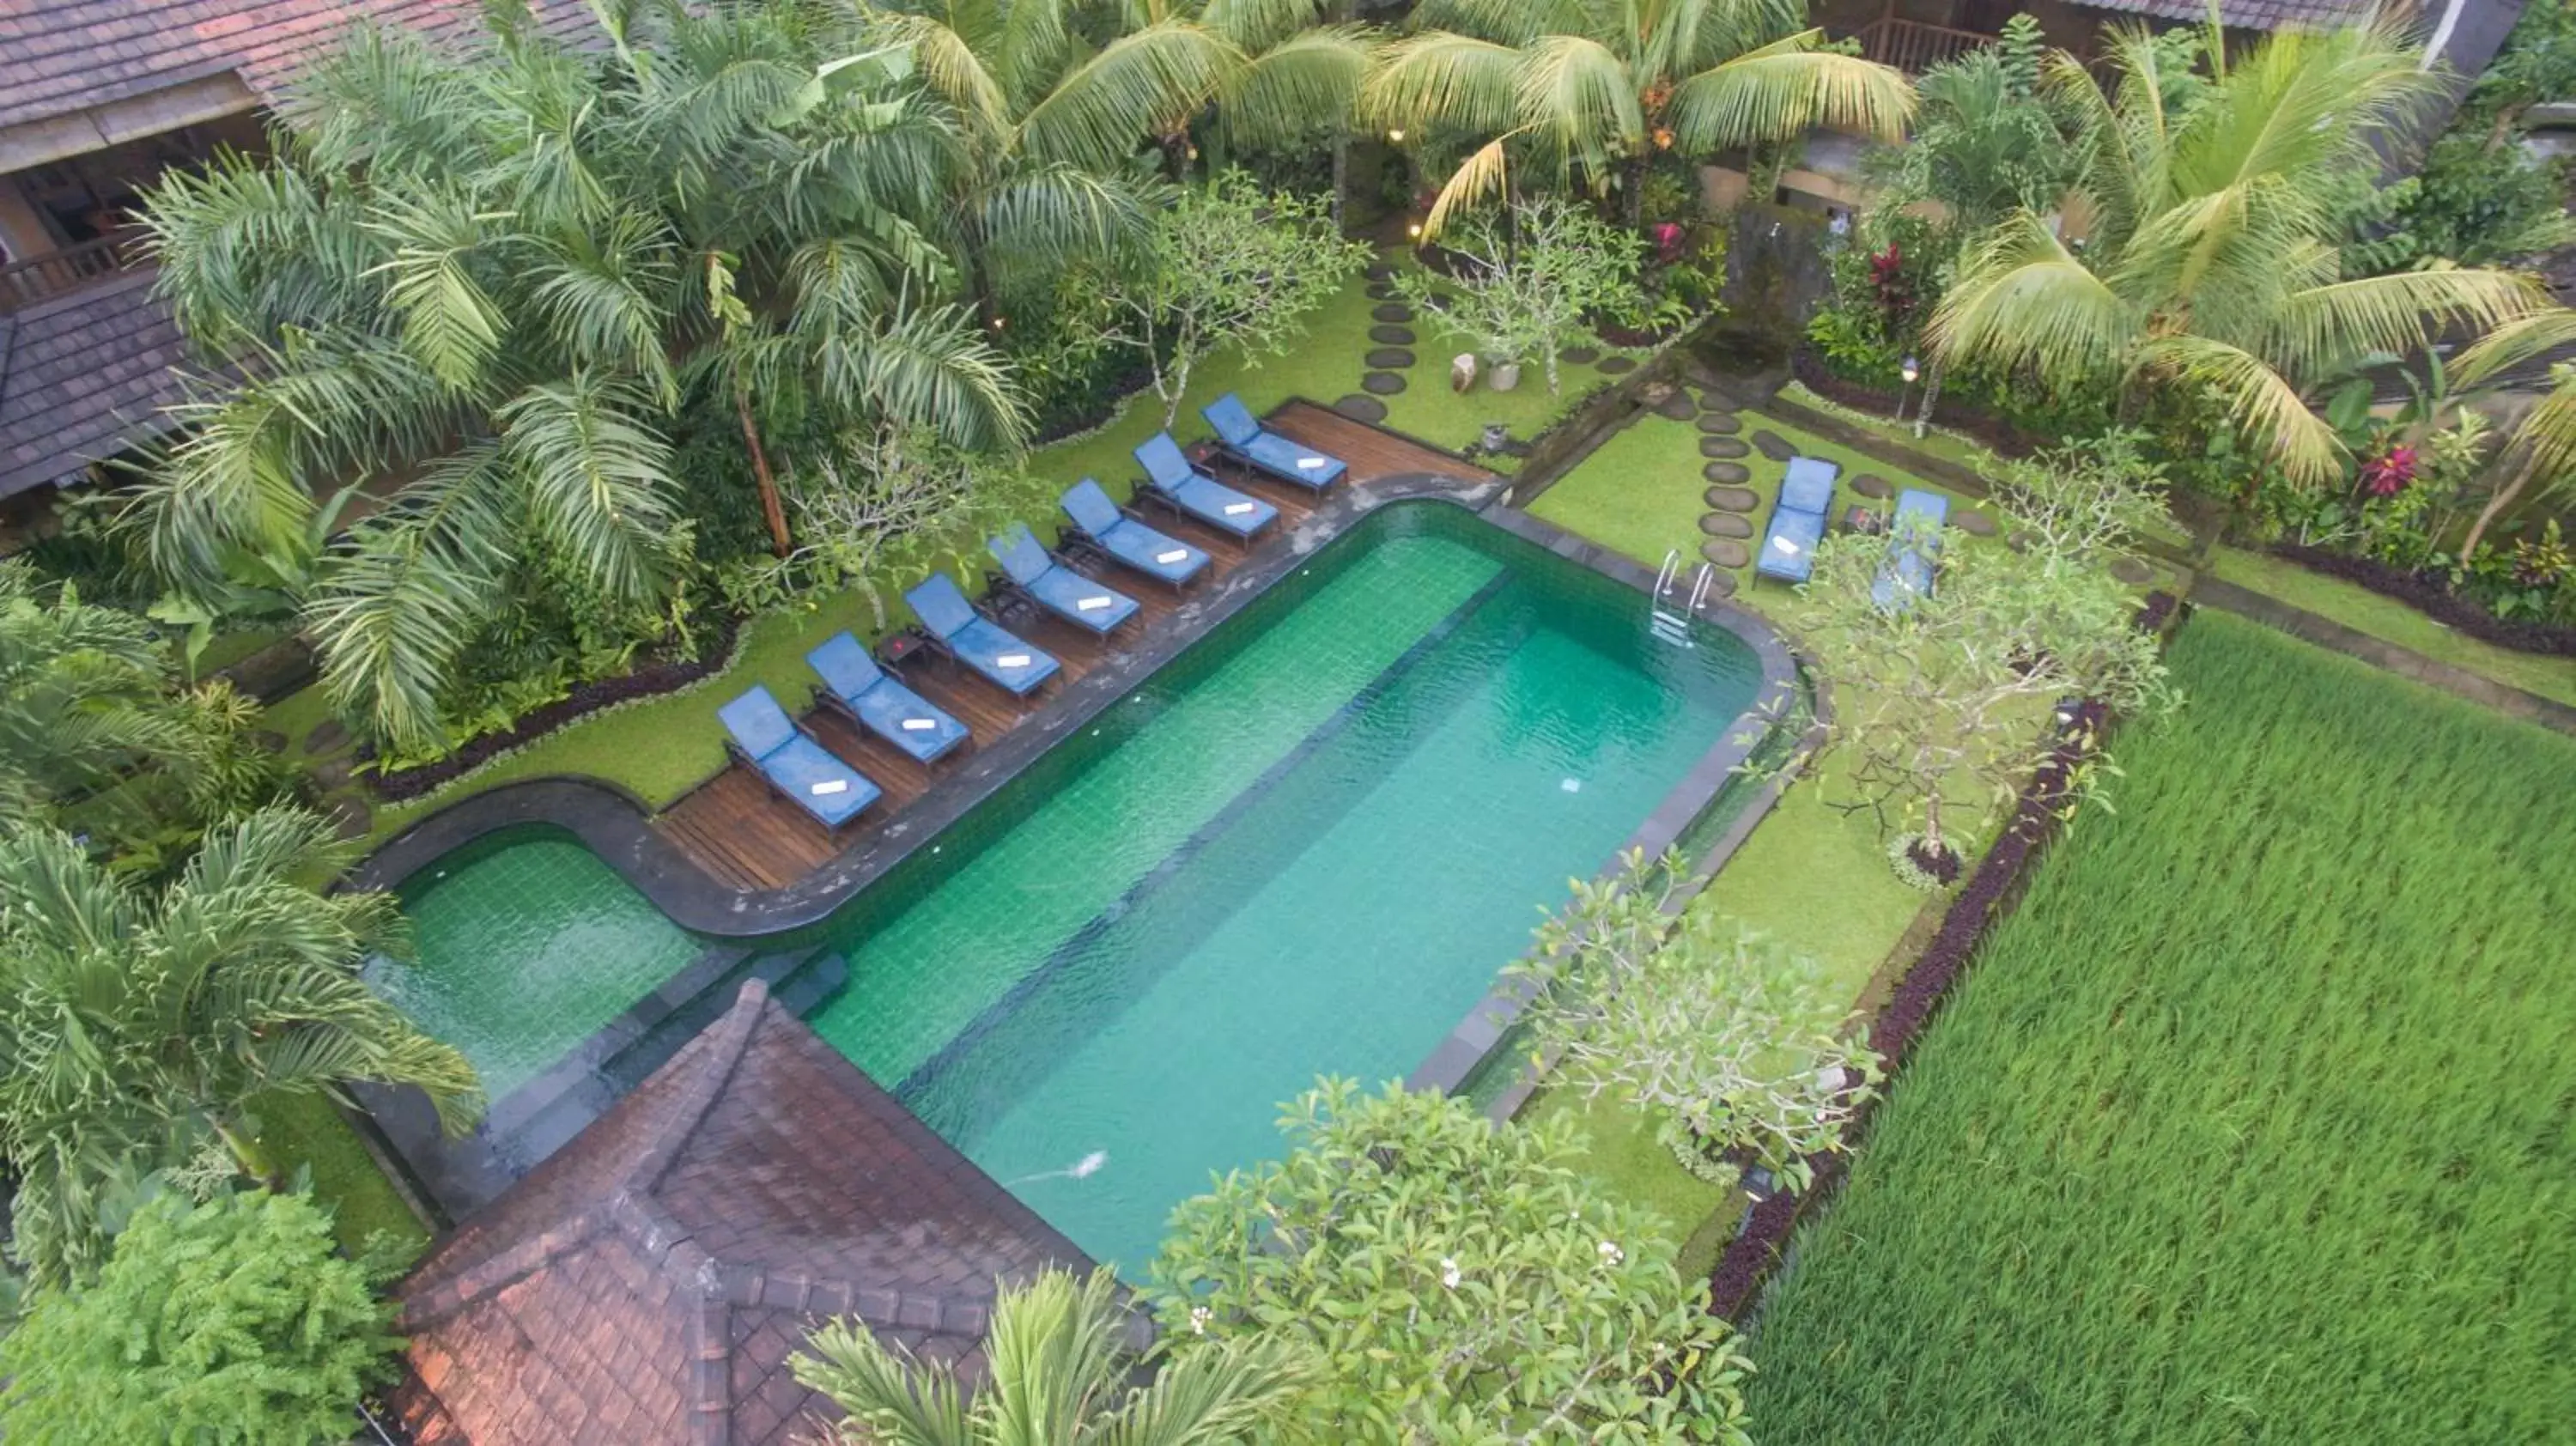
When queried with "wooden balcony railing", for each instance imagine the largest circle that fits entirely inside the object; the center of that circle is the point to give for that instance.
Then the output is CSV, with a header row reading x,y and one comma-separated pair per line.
x,y
24,283
1914,47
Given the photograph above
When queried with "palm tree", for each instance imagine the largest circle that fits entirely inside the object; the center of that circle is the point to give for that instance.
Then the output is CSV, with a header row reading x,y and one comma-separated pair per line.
x,y
1598,87
1051,119
129,1016
1059,1374
2215,263
82,695
492,280
2542,446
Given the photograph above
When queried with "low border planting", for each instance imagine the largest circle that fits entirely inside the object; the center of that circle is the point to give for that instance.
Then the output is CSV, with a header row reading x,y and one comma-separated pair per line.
x,y
2429,595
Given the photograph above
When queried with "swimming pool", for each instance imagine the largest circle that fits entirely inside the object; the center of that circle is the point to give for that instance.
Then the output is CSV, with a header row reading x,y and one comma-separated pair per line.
x,y
1305,846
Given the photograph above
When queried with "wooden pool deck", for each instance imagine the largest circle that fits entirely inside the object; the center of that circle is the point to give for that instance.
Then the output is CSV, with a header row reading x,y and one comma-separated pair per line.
x,y
741,833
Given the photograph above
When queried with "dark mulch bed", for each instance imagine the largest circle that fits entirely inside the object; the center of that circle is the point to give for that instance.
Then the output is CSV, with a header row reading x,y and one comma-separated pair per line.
x,y
1128,383
1997,434
644,682
1773,446
2431,595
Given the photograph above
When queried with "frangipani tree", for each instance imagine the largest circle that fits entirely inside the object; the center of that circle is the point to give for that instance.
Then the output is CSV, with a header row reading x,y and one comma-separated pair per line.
x,y
486,282
2214,263
1592,89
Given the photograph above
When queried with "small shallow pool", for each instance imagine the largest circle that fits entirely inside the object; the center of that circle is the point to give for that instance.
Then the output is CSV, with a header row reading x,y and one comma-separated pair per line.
x,y
1304,847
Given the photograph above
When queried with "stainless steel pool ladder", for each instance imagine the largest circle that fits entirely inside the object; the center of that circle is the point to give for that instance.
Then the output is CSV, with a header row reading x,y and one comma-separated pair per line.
x,y
1666,624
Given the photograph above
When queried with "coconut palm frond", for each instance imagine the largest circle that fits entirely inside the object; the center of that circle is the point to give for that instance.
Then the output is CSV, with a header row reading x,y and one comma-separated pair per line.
x,y
243,250
1459,80
598,477
888,1393
1141,84
2516,342
1780,90
1512,23
1577,93
953,69
2395,313
2023,299
449,320
931,369
1048,216
384,100
603,296
2262,402
1253,26
1484,176
1308,80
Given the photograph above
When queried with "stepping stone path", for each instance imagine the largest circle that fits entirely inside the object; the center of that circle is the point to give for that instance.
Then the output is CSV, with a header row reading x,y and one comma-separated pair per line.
x,y
1391,335
1381,271
1393,311
1720,424
1676,407
1381,291
1618,366
327,737
1725,552
1713,400
1385,384
1975,524
1361,409
1726,524
1389,356
2132,571
1731,499
1582,356
270,739
1870,484
349,815
1722,448
1720,584
1773,446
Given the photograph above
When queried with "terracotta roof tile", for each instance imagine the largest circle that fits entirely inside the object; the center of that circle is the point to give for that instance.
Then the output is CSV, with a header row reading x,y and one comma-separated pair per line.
x,y
83,377
2240,14
649,1281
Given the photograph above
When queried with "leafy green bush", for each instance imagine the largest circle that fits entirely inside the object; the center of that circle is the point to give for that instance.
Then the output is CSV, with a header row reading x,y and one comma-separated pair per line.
x,y
1459,1283
230,1321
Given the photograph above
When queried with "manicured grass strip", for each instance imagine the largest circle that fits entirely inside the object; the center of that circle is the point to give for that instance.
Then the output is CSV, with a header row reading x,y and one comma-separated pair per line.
x,y
2253,1123
2389,620
304,1132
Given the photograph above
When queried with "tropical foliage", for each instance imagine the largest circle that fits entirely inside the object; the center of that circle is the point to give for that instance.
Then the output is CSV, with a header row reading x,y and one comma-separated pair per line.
x,y
1734,1043
1457,1283
1529,285
231,1320
132,1017
1061,1367
487,284
2213,264
1587,92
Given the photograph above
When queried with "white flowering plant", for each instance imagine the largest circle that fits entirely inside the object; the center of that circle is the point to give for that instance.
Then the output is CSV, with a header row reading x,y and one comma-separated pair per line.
x,y
1459,1282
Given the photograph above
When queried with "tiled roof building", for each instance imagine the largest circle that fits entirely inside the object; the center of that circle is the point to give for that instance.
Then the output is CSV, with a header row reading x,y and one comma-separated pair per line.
x,y
649,1281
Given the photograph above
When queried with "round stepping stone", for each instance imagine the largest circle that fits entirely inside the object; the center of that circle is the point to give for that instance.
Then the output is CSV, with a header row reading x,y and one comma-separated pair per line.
x,y
1773,446
1720,424
1676,407
1726,524
1725,552
1393,311
270,740
1385,384
1381,271
1389,356
1361,409
349,815
1975,524
1618,366
1582,356
2133,571
1731,499
1720,584
1711,399
327,737
1870,484
1391,335
1723,448
1381,291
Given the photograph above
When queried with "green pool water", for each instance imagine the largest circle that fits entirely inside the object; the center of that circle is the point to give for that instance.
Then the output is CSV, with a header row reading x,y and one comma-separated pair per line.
x,y
1304,847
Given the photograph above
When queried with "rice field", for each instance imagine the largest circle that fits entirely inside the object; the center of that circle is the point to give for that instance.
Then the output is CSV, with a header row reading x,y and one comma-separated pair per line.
x,y
2255,1123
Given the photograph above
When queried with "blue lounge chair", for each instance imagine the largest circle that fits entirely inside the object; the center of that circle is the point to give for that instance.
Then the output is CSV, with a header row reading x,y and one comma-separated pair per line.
x,y
796,767
1917,541
1171,478
1103,524
1088,605
1243,438
1016,667
856,688
1798,520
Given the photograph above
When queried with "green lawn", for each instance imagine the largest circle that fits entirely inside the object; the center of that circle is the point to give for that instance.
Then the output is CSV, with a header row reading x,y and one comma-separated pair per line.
x,y
2251,1124
305,1132
2389,620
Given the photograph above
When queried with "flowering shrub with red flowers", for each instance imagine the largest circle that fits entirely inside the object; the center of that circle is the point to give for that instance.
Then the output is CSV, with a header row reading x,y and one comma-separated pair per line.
x,y
2389,472
1895,288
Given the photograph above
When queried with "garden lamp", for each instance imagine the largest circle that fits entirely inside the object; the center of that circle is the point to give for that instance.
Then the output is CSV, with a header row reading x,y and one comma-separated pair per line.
x,y
1396,136
1910,368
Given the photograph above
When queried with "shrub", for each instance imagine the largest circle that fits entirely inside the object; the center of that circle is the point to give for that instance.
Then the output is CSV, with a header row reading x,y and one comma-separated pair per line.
x,y
230,1321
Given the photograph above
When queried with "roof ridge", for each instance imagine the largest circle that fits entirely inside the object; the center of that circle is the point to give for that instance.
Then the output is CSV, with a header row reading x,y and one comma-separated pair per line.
x,y
726,1043
493,1273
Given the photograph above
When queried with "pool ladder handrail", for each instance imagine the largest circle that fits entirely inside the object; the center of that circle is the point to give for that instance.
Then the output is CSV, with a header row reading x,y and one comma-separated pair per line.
x,y
1666,624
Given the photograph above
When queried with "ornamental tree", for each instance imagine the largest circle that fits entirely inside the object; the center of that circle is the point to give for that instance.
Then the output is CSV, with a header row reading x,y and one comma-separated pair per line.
x,y
1525,285
1457,1282
1226,264
233,1320
1733,1042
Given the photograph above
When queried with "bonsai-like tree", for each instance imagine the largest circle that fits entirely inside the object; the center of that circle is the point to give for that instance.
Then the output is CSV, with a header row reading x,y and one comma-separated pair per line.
x,y
1735,1043
1529,284
1062,1373
129,1016
1456,1281
233,1320
1227,264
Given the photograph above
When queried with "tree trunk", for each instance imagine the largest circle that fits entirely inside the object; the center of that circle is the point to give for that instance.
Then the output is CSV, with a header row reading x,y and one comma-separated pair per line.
x,y
1341,182
1931,397
770,508
2504,497
1933,845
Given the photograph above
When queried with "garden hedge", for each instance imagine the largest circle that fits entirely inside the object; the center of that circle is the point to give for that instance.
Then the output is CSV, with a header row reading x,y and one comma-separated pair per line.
x,y
2430,594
